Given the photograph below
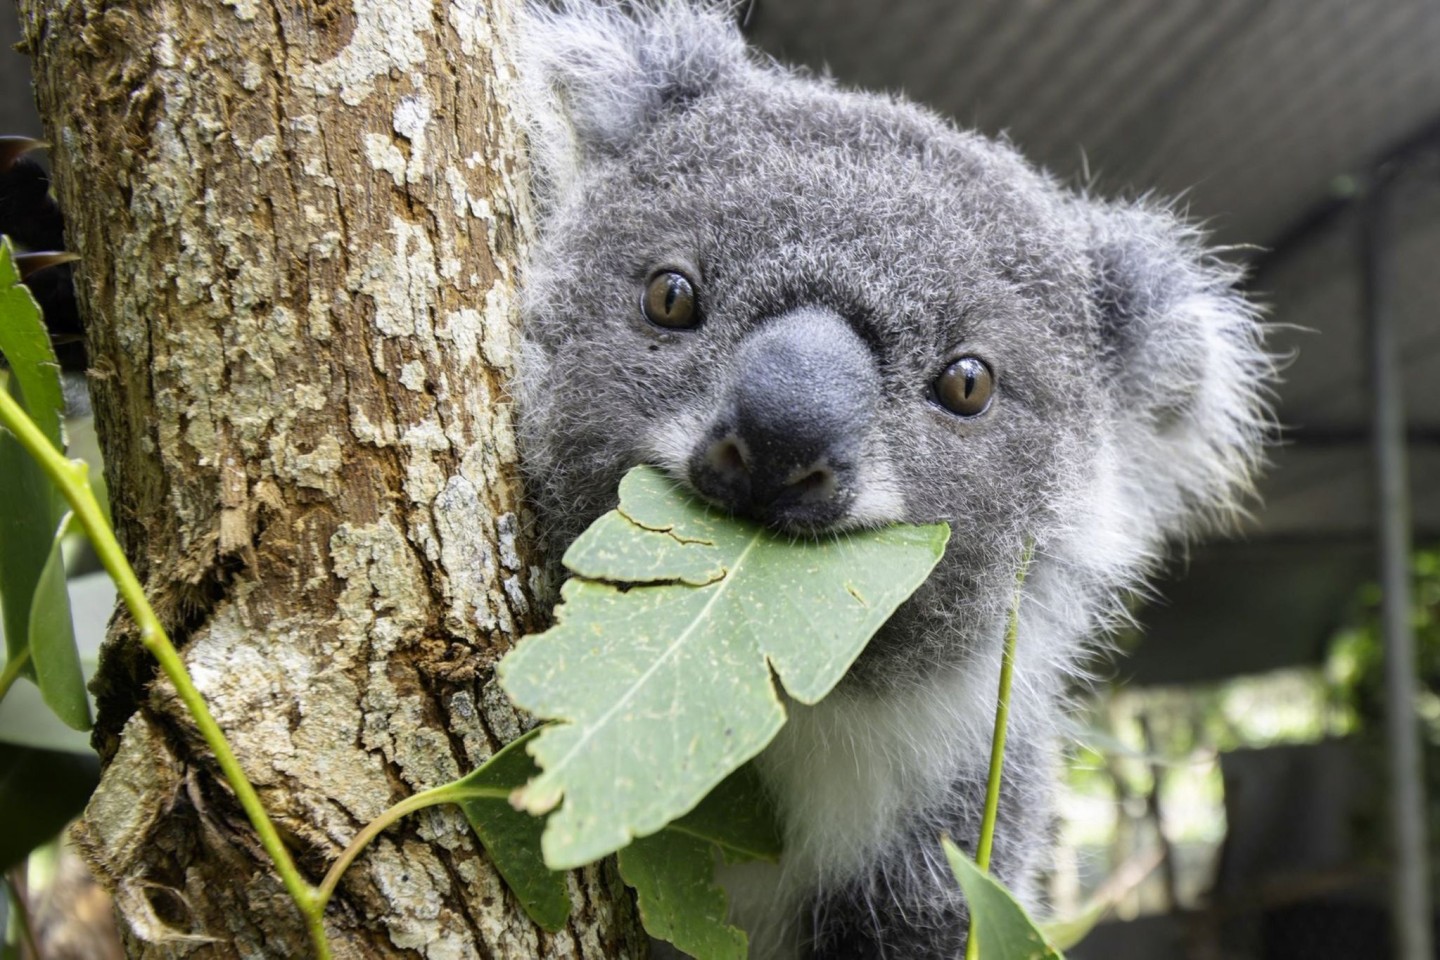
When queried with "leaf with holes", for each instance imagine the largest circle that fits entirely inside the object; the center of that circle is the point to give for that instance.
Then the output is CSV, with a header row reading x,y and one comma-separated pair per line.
x,y
659,668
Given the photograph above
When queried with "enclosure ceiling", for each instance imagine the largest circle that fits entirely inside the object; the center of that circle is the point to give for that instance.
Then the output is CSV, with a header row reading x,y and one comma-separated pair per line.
x,y
1252,113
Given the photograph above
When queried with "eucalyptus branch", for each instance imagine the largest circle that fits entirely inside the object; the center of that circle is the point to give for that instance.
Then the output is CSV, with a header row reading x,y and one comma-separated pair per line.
x,y
997,743
72,478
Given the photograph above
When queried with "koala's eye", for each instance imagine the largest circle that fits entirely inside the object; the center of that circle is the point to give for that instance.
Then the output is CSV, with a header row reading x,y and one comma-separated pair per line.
x,y
669,301
965,387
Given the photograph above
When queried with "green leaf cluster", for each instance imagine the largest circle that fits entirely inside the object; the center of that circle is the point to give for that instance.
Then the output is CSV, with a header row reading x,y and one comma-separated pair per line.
x,y
671,871
658,671
659,679
34,604
39,640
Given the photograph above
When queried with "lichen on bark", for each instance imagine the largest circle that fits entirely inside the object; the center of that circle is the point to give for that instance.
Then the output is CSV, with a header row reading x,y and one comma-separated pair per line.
x,y
300,225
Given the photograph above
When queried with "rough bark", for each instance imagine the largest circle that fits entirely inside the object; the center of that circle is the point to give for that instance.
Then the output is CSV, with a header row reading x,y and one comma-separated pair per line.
x,y
299,225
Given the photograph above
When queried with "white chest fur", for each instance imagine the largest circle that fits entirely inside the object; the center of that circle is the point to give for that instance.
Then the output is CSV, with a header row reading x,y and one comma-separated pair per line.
x,y
845,773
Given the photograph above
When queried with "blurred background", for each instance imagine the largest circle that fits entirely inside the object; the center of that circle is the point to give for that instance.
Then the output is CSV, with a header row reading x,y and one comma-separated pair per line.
x,y
1247,781
1234,789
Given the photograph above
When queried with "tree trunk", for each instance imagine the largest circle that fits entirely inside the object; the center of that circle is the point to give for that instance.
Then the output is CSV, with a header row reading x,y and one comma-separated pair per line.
x,y
299,224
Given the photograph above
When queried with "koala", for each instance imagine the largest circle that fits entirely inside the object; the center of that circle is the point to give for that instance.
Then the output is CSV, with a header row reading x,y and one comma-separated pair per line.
x,y
829,310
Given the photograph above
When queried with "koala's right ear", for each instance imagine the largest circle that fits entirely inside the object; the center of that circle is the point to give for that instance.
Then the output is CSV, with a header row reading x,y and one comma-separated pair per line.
x,y
1189,369
596,73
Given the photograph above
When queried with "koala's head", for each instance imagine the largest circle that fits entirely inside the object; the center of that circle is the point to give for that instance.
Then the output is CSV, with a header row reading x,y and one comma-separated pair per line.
x,y
826,310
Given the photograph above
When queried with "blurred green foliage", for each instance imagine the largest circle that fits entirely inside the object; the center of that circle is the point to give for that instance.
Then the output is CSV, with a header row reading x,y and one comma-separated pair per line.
x,y
1356,666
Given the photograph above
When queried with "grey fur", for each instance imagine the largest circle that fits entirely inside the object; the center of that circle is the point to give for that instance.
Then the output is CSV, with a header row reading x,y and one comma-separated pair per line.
x,y
1128,414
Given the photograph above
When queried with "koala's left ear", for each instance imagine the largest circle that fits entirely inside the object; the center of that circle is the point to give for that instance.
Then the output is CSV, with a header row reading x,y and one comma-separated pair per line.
x,y
596,73
1185,356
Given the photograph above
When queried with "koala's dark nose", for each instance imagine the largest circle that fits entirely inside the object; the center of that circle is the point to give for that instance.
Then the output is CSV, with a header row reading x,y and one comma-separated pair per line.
x,y
785,444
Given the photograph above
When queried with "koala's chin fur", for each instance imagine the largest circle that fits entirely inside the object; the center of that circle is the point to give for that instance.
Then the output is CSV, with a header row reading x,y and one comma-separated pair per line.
x,y
845,249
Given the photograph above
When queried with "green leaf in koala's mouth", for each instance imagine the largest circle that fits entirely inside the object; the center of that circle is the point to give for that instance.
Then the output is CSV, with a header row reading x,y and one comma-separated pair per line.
x,y
659,666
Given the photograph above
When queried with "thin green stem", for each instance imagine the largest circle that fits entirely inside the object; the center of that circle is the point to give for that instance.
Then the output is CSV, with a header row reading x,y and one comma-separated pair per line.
x,y
446,793
72,477
997,743
12,671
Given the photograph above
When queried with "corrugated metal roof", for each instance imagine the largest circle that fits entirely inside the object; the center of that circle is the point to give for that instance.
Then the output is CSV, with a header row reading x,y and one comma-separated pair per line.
x,y
1247,108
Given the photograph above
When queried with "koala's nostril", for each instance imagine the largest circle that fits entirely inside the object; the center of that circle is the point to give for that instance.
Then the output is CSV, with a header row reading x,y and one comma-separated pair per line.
x,y
816,485
720,470
728,458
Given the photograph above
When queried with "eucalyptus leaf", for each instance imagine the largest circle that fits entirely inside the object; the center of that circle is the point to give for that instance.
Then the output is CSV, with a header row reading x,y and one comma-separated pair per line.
x,y
999,923
53,652
1065,932
673,871
659,665
738,817
25,720
29,506
673,875
29,511
25,344
511,837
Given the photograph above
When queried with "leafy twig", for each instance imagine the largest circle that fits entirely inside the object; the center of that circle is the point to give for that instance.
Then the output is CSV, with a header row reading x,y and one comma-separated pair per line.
x,y
72,478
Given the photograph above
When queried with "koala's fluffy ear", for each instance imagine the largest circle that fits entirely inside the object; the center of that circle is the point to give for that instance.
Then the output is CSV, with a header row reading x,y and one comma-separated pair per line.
x,y
1185,357
595,73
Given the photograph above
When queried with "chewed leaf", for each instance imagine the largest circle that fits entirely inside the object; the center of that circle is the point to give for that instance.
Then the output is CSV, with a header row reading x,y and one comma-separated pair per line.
x,y
659,665
1004,930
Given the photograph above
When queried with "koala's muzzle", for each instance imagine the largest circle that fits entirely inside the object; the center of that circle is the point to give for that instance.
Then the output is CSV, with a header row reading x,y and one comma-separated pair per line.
x,y
785,444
